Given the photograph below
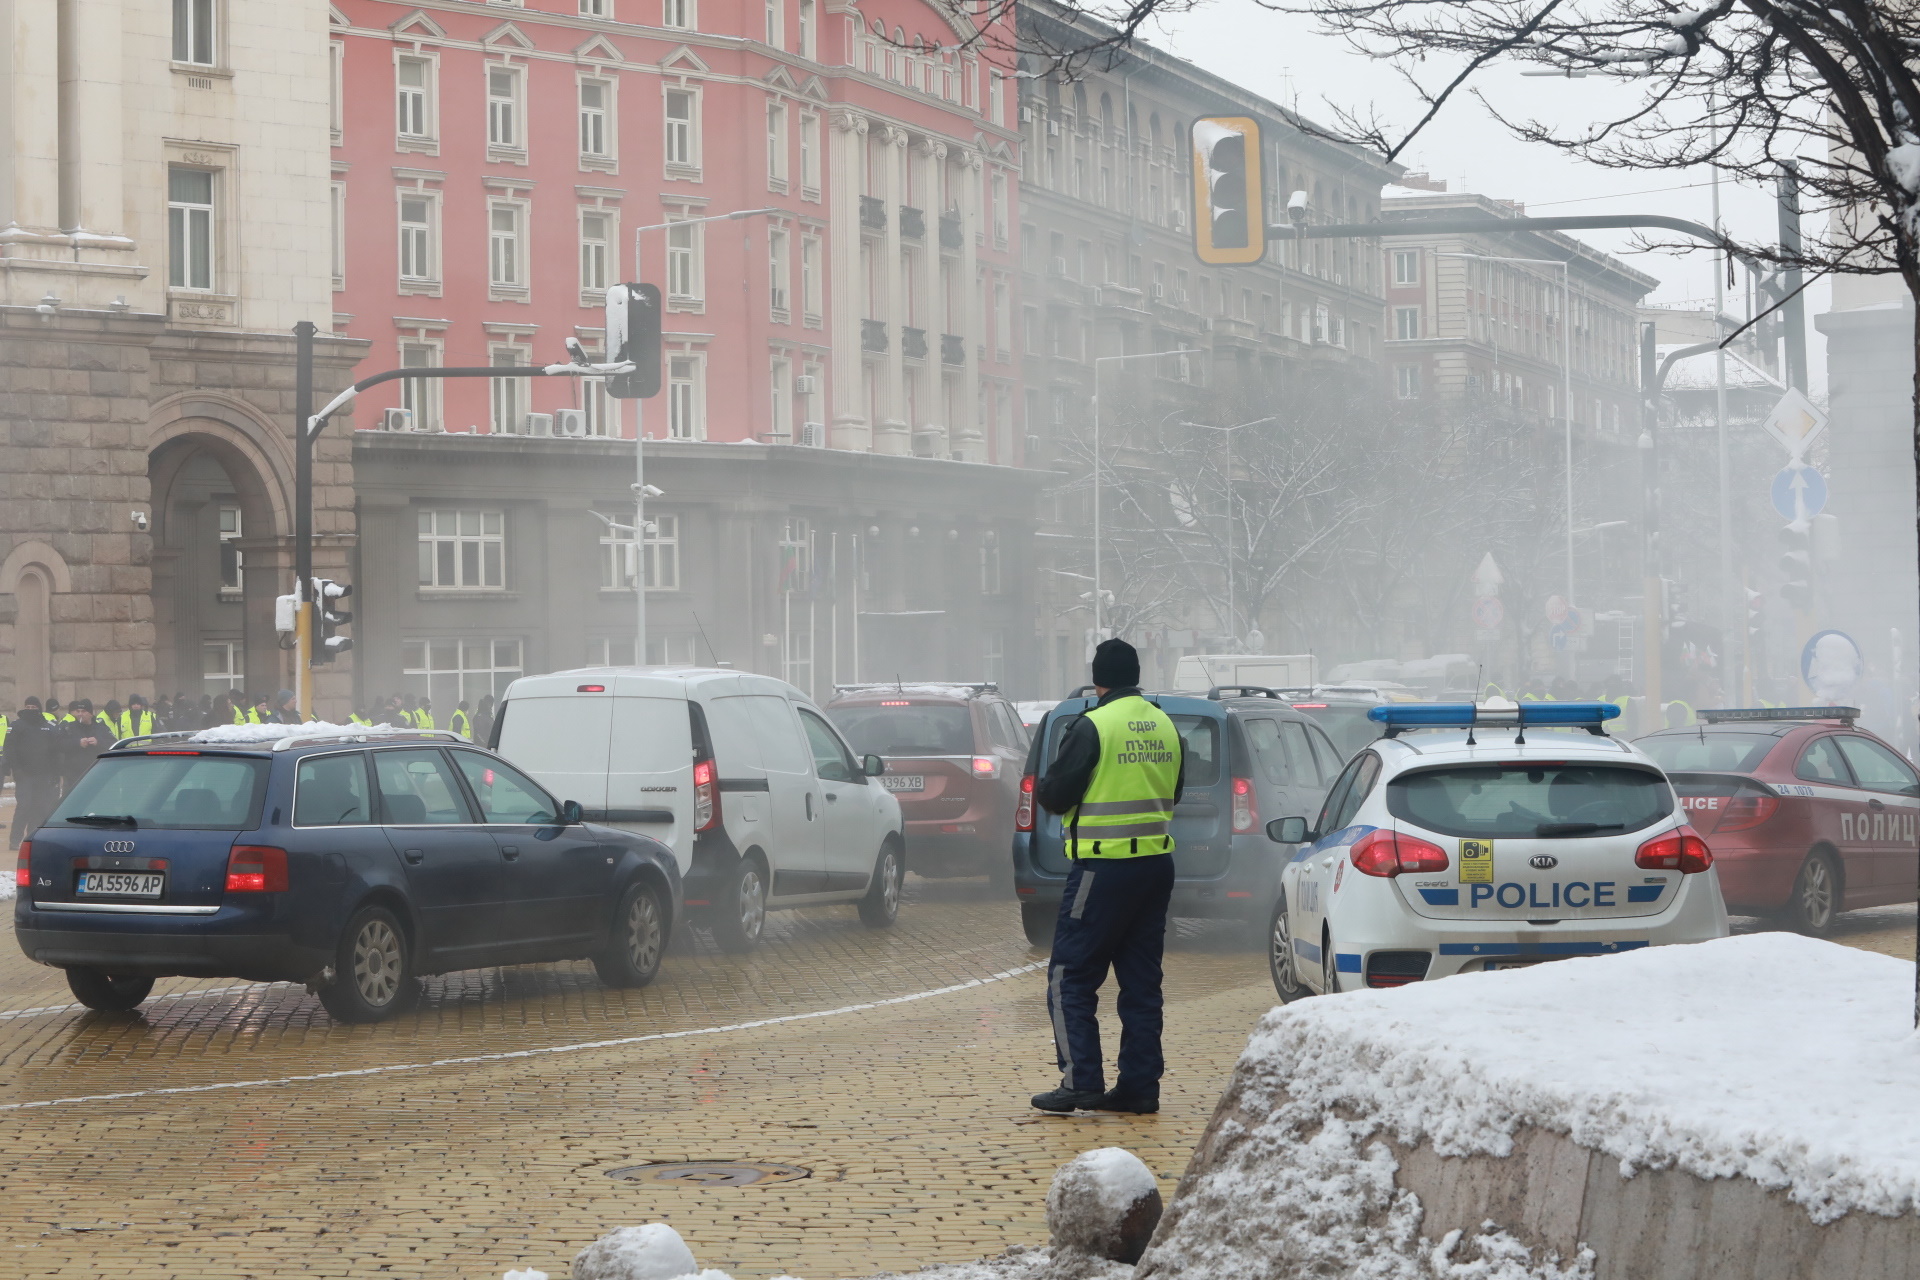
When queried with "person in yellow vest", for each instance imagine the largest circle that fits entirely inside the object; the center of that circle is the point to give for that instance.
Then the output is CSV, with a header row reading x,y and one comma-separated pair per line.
x,y
1120,771
262,712
359,717
134,721
460,722
423,715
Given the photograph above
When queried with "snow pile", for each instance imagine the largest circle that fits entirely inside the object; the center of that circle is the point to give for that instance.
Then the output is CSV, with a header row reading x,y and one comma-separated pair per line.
x,y
1017,1263
652,1252
1114,1176
1771,1057
235,734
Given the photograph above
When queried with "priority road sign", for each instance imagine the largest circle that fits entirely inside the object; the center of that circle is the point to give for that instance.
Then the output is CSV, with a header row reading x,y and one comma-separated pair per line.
x,y
1794,422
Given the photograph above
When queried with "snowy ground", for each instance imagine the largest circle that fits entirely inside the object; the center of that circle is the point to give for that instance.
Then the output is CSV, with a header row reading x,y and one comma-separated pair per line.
x,y
1016,1263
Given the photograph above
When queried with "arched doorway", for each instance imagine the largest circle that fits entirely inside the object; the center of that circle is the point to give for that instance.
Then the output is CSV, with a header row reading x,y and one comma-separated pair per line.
x,y
219,557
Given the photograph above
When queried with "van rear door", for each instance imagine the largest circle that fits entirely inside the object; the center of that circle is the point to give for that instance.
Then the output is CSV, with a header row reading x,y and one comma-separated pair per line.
x,y
650,772
563,741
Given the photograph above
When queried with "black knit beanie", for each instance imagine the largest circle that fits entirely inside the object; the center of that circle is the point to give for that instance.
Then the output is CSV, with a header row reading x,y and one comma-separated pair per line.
x,y
1116,665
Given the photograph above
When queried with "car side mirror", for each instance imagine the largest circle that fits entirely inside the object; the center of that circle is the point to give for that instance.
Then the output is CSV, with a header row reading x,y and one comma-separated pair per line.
x,y
872,766
571,812
1288,831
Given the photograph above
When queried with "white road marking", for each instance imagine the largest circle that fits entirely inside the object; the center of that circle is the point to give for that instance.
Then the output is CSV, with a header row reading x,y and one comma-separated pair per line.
x,y
544,1051
7,1015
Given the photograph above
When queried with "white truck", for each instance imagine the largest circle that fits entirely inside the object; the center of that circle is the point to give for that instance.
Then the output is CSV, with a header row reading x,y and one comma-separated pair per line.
x,y
1200,672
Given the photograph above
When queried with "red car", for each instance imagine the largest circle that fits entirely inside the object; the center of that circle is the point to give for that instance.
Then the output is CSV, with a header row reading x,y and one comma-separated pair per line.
x,y
1807,815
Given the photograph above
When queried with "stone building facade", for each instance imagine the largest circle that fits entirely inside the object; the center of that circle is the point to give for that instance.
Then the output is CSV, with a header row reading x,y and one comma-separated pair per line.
x,y
163,225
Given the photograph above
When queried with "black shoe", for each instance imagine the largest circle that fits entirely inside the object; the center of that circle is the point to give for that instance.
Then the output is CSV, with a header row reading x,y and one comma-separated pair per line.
x,y
1063,1100
1114,1100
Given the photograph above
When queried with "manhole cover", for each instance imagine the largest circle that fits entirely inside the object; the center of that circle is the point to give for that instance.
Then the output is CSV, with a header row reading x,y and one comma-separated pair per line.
x,y
711,1173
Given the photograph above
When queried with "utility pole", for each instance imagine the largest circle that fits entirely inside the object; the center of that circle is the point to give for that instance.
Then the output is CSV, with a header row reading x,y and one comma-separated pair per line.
x,y
1793,312
1653,599
303,335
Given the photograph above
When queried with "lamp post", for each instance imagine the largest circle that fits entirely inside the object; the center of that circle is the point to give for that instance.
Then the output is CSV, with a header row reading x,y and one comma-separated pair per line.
x,y
1233,614
641,489
1566,373
1099,611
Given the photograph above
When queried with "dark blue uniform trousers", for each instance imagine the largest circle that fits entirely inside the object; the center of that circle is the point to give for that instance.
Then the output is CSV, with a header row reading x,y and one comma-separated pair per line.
x,y
1112,916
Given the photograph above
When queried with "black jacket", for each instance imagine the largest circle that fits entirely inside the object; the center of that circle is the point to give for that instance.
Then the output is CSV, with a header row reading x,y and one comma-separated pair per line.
x,y
33,753
1065,784
76,759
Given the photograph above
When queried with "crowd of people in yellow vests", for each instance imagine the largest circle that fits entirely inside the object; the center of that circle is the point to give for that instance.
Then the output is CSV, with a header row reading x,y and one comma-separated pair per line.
x,y
1675,713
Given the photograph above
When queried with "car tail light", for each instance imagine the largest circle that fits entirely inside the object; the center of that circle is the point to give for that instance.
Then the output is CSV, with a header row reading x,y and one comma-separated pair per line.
x,y
896,704
1022,812
1309,706
1388,853
986,767
23,870
1683,851
1747,811
706,796
256,868
1246,811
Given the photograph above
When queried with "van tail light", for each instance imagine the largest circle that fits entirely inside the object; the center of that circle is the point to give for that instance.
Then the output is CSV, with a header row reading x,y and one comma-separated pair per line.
x,y
23,870
1246,810
1022,812
1389,853
1746,811
1683,851
986,767
706,796
256,868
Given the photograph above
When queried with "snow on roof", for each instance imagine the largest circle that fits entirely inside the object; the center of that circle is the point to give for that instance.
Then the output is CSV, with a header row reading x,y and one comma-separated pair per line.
x,y
236,734
1773,1057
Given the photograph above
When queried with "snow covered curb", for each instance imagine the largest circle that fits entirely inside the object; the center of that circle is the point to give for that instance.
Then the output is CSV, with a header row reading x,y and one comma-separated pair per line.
x,y
1376,1133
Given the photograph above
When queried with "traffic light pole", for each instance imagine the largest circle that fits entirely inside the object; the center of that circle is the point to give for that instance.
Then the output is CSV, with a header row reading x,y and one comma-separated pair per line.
x,y
303,335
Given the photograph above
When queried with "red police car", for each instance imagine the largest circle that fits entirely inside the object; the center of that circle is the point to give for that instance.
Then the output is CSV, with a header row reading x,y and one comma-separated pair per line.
x,y
1807,814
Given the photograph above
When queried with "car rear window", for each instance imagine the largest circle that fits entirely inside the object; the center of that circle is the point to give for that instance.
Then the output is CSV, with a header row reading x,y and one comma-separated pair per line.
x,y
174,793
921,729
1530,800
1346,724
1709,752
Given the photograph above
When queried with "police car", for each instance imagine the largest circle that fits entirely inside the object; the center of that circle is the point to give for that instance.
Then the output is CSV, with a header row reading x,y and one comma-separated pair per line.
x,y
1489,839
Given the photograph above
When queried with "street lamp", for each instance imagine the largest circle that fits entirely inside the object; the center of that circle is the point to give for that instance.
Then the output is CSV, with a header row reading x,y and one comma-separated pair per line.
x,y
1233,614
641,489
1098,598
1566,372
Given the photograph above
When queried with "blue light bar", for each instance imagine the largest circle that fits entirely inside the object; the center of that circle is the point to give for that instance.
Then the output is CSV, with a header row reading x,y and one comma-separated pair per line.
x,y
1581,713
1454,715
1465,715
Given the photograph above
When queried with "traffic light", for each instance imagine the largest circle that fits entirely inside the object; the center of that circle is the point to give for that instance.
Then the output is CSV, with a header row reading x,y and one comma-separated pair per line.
x,y
1229,195
633,335
1796,567
1756,613
326,644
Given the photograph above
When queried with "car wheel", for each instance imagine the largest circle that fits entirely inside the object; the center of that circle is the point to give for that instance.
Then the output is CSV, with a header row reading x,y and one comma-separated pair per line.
x,y
637,940
1329,967
1816,896
881,907
741,918
105,992
373,969
1037,919
1281,964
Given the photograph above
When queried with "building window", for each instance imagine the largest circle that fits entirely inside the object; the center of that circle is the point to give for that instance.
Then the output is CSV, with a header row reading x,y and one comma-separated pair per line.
x,y
413,97
990,579
463,550
1000,210
503,107
662,556
189,228
593,403
993,97
774,23
336,88
450,672
1406,267
595,232
1406,323
231,531
806,28
221,666
779,276
686,406
504,226
781,400
416,239
1406,381
193,31
421,396
810,276
776,146
593,118
994,659
810,154
1002,320
338,236
508,395
682,141
678,13
683,263
595,8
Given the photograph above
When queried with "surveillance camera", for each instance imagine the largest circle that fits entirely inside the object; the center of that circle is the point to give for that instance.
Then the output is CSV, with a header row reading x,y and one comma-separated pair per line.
x,y
1297,208
576,351
652,492
140,521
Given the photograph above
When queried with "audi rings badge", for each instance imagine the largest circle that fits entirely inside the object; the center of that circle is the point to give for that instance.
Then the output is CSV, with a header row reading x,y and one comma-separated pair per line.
x,y
117,846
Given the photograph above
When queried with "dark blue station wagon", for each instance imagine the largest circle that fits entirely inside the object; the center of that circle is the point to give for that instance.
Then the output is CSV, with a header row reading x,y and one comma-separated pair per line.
x,y
352,863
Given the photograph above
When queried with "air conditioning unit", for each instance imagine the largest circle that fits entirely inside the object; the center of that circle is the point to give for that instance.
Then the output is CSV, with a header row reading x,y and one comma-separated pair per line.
x,y
805,385
813,435
1058,266
1179,219
570,422
1159,292
1053,128
396,420
779,299
537,424
1026,115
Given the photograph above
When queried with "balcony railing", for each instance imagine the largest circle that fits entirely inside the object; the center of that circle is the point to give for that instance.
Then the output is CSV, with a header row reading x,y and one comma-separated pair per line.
x,y
873,213
953,349
913,343
913,223
873,335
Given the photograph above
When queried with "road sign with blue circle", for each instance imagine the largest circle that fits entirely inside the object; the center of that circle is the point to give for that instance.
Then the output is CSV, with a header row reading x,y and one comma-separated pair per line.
x,y
1799,492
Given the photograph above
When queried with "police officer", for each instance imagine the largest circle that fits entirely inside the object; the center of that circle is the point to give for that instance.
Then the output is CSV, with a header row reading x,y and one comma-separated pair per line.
x,y
136,719
1119,773
461,722
423,715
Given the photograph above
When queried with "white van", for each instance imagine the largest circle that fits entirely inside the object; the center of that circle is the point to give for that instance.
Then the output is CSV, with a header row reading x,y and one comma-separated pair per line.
x,y
1199,672
756,793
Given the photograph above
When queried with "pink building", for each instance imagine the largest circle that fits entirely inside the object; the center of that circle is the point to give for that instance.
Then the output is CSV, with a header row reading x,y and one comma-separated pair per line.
x,y
494,164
